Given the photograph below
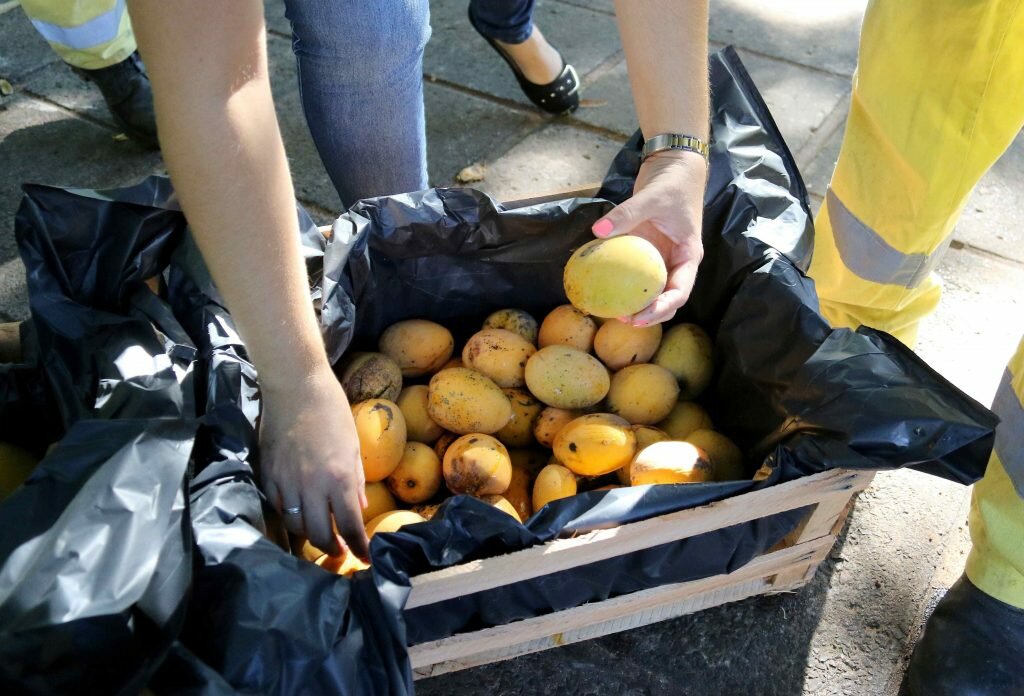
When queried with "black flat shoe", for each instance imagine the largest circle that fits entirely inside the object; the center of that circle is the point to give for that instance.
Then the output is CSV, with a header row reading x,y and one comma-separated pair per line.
x,y
560,96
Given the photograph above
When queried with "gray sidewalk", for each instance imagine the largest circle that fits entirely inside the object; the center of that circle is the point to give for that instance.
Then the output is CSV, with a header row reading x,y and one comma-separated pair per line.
x,y
849,631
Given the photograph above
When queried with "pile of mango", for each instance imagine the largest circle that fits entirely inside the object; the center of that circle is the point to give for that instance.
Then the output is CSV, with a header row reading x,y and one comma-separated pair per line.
x,y
530,413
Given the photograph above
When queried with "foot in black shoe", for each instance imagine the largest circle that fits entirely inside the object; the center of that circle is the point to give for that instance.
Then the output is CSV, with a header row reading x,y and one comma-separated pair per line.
x,y
559,96
126,90
973,645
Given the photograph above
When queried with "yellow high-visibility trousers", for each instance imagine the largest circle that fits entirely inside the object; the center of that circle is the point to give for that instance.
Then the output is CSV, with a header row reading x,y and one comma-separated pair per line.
x,y
996,562
938,96
88,34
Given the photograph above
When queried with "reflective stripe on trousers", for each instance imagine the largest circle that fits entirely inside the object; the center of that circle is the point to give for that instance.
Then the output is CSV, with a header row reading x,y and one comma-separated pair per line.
x,y
996,562
89,34
936,99
1010,433
865,253
98,30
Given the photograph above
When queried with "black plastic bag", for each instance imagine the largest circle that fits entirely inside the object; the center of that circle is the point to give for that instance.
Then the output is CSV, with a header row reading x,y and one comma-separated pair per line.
x,y
260,618
146,520
96,547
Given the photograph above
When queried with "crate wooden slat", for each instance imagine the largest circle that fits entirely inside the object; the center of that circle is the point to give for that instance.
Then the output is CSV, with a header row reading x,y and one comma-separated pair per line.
x,y
789,566
562,554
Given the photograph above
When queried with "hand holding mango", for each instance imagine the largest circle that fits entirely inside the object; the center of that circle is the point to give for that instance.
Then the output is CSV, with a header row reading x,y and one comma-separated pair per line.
x,y
666,210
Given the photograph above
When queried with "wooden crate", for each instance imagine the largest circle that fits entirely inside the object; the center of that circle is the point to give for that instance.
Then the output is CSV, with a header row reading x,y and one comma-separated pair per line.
x,y
788,566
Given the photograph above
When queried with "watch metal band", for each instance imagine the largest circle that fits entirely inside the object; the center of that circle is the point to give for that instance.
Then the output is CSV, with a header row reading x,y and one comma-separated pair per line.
x,y
674,141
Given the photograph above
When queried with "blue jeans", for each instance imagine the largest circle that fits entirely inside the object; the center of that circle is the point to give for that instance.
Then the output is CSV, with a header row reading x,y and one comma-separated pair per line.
x,y
360,66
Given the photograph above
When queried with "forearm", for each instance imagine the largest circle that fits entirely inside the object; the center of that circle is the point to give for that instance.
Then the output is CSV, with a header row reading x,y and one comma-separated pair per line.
x,y
666,46
223,149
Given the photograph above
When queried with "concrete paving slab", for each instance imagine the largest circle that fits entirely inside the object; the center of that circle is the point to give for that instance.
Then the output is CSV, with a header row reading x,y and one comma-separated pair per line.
x,y
817,172
607,6
896,539
554,158
457,54
979,321
821,35
273,13
609,101
951,567
42,143
58,84
463,129
799,98
22,50
994,217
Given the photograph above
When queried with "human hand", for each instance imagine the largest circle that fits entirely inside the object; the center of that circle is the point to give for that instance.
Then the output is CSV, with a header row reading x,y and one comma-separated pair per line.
x,y
310,460
666,209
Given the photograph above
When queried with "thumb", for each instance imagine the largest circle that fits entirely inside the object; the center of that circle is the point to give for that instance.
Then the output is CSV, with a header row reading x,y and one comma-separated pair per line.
x,y
623,219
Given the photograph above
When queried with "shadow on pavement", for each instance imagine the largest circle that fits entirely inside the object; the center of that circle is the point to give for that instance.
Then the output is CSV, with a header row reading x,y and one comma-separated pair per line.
x,y
57,149
758,646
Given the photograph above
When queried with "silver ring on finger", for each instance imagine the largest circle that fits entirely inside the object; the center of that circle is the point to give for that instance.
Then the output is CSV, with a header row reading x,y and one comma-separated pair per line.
x,y
297,510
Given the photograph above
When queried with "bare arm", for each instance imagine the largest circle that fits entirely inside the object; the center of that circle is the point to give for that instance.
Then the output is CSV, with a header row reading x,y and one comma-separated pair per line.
x,y
666,44
220,139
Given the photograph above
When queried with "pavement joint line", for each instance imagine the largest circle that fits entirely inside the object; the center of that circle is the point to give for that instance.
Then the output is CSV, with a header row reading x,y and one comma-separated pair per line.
x,y
21,79
847,77
545,120
609,133
603,68
824,131
582,6
960,245
537,123
8,6
503,101
106,125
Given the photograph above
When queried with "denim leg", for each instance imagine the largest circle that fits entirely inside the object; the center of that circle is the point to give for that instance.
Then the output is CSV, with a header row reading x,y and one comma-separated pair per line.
x,y
360,66
510,21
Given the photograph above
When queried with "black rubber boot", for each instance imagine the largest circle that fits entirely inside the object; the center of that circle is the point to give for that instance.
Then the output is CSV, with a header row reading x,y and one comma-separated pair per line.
x,y
126,90
973,645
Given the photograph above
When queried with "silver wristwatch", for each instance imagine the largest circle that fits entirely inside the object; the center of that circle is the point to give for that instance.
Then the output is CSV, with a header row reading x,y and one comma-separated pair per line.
x,y
674,141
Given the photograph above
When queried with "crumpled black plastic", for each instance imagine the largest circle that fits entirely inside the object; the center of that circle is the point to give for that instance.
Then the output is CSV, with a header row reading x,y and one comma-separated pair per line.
x,y
164,564
154,397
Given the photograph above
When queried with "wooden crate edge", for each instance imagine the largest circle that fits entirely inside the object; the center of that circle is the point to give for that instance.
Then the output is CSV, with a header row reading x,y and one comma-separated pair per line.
x,y
612,615
562,554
